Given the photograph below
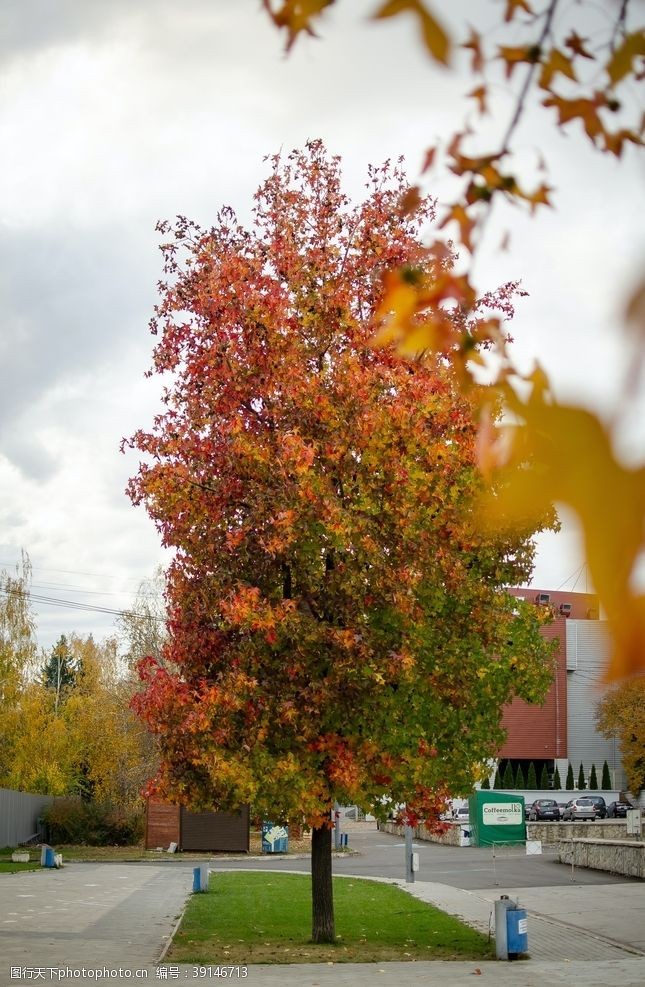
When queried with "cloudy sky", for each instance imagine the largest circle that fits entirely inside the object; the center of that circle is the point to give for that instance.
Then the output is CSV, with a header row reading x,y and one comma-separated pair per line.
x,y
114,114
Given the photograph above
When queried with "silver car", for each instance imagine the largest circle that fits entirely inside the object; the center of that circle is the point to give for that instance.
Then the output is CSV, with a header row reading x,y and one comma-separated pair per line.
x,y
582,808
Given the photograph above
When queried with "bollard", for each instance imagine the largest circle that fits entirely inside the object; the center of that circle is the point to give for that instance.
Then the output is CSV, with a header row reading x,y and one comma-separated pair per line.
x,y
47,857
200,879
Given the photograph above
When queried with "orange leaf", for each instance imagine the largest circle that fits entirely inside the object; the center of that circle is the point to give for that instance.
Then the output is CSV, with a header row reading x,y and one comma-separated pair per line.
x,y
434,36
538,198
410,201
428,159
585,109
577,45
295,16
466,224
480,94
474,43
512,7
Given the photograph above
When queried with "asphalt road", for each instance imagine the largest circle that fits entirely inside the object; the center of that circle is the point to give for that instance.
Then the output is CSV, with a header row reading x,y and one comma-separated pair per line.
x,y
379,854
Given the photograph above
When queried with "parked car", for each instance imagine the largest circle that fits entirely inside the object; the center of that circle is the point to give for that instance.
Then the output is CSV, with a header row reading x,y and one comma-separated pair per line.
x,y
601,805
618,809
461,814
543,809
580,808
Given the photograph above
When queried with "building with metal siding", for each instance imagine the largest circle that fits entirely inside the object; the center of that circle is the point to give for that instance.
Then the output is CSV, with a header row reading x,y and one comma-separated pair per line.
x,y
562,730
587,649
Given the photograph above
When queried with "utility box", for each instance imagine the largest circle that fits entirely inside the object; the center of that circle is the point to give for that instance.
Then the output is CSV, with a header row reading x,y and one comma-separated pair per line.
x,y
496,817
517,937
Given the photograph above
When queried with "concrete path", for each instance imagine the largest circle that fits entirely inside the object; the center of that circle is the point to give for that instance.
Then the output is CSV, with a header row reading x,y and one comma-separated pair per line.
x,y
88,914
91,922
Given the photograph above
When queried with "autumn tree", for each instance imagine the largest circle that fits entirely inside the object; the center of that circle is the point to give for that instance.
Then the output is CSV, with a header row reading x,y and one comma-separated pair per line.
x,y
579,64
142,628
338,621
621,714
114,752
89,744
17,653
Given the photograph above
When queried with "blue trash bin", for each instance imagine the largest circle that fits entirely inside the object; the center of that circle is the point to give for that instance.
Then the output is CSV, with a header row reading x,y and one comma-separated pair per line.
x,y
517,936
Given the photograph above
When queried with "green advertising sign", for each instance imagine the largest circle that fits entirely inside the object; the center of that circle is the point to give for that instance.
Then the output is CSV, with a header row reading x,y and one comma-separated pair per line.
x,y
496,817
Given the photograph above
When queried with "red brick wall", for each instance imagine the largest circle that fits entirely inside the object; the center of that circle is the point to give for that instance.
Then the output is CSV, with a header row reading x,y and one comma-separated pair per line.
x,y
538,732
584,606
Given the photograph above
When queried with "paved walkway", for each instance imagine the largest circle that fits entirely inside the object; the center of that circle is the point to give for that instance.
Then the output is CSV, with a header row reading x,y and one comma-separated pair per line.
x,y
103,917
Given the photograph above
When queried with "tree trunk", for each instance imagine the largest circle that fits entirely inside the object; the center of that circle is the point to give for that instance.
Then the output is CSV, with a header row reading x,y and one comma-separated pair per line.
x,y
322,896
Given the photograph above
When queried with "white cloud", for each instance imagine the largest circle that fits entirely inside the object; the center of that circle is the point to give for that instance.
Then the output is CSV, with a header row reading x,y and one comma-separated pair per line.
x,y
114,115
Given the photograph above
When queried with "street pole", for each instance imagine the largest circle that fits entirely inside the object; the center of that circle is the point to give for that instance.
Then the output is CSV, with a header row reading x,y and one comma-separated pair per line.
x,y
336,826
409,873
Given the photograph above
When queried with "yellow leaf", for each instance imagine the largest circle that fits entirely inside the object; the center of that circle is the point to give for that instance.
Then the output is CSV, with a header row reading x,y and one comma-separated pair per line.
x,y
621,62
435,37
513,56
614,142
556,62
562,454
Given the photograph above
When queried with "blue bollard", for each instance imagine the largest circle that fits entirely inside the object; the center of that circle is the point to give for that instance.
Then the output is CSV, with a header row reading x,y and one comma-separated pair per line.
x,y
200,879
47,857
197,880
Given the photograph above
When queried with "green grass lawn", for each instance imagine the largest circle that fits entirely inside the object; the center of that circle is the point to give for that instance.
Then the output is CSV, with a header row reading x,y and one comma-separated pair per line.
x,y
266,918
8,866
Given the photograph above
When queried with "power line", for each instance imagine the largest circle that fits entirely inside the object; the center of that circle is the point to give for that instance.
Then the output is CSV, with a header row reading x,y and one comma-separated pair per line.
x,y
75,605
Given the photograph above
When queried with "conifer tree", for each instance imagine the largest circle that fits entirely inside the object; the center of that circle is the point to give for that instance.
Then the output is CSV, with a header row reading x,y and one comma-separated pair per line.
x,y
605,782
486,783
569,782
498,778
519,778
507,779
557,781
593,780
531,779
582,784
58,672
544,778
